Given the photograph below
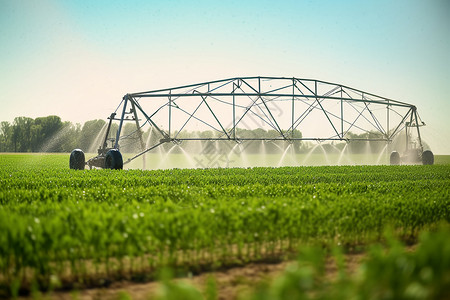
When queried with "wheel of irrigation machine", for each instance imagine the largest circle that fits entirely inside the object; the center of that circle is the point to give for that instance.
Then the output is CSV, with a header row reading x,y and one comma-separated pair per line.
x,y
114,160
427,157
395,158
77,160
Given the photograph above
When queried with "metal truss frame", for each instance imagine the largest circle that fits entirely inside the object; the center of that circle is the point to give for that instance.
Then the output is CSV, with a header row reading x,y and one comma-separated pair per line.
x,y
259,93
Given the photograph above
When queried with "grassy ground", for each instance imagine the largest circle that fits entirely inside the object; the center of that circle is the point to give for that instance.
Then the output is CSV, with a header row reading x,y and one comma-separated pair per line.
x,y
176,160
181,160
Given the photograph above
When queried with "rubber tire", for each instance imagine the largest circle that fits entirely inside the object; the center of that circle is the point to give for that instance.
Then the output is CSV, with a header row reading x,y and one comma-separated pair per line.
x,y
394,158
427,157
77,160
114,160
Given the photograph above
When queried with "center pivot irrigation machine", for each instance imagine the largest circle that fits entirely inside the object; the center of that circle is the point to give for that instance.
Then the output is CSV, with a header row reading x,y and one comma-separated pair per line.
x,y
321,111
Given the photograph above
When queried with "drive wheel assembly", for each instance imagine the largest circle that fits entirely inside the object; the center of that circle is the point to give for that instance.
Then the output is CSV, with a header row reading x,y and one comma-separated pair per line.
x,y
114,160
77,160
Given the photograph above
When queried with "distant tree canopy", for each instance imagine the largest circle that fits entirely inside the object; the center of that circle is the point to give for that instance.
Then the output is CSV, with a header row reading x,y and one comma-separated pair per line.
x,y
43,134
90,134
50,134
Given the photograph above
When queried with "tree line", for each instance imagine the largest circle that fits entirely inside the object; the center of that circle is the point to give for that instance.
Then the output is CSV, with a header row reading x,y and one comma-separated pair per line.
x,y
51,134
46,134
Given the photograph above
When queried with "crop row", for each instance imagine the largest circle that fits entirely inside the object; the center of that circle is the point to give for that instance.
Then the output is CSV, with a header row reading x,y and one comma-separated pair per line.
x,y
79,226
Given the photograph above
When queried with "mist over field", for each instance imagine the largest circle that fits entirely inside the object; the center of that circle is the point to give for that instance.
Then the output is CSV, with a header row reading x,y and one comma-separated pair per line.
x,y
50,134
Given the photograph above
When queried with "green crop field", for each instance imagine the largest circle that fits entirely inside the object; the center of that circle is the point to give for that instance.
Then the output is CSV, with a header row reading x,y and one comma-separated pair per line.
x,y
62,228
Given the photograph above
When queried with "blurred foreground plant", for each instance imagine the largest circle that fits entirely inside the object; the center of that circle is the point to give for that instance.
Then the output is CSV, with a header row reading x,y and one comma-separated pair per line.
x,y
391,272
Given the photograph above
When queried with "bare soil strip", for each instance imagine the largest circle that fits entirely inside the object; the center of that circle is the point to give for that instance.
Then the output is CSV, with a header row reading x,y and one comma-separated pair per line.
x,y
230,282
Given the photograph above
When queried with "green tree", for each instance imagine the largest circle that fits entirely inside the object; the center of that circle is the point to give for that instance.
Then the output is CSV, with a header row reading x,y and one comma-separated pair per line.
x,y
5,136
89,133
70,138
22,134
46,134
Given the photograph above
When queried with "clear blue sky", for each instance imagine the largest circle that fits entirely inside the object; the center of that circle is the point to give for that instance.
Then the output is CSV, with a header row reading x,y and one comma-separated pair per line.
x,y
76,59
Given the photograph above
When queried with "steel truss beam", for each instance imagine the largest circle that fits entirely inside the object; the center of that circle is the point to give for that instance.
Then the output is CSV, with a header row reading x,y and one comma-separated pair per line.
x,y
254,98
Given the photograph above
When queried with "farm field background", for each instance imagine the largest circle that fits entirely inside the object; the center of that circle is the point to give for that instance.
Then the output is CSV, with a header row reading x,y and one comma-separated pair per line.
x,y
62,228
175,160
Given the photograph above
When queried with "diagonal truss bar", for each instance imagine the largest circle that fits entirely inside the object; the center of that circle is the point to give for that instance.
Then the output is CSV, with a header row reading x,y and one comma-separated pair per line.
x,y
198,119
305,113
245,113
313,106
268,110
244,107
270,113
326,115
279,89
361,114
353,123
330,113
190,117
215,117
377,123
255,104
143,152
318,102
401,122
165,135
